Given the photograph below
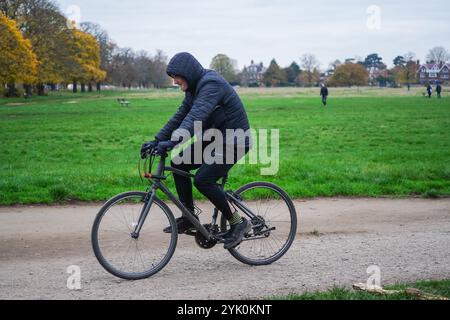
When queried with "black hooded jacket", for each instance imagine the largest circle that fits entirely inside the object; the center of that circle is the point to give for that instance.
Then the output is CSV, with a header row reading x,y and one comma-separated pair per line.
x,y
209,99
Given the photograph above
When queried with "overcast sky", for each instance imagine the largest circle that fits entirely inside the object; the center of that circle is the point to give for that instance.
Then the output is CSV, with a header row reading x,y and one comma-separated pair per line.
x,y
263,29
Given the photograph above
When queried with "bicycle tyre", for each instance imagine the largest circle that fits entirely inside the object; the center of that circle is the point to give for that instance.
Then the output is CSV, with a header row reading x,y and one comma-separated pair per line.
x,y
97,248
236,253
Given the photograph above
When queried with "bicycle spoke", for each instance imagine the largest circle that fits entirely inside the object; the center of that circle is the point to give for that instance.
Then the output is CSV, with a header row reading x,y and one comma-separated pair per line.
x,y
266,203
124,255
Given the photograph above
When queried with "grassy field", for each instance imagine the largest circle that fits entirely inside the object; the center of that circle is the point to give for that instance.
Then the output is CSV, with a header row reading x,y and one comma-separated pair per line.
x,y
366,143
438,288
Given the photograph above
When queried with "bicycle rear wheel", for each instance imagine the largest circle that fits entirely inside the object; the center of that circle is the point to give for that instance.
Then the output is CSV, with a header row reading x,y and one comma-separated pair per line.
x,y
115,248
274,227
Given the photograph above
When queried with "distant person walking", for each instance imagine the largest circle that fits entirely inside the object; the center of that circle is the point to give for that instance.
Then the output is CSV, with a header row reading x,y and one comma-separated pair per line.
x,y
324,94
438,90
429,90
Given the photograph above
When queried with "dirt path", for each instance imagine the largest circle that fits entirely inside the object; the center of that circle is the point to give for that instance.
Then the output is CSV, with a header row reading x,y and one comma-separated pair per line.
x,y
409,239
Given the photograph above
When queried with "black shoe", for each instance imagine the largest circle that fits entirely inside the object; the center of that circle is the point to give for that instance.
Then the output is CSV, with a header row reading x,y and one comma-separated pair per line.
x,y
236,233
183,225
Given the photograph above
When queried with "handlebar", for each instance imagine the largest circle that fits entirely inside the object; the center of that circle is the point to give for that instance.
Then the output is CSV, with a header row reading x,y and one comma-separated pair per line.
x,y
150,156
154,152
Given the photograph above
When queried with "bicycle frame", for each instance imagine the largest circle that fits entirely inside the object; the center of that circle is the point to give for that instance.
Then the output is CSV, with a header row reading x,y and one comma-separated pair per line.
x,y
159,185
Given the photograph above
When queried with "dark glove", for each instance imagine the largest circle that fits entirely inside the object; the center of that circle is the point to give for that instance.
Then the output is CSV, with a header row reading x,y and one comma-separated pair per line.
x,y
147,147
165,146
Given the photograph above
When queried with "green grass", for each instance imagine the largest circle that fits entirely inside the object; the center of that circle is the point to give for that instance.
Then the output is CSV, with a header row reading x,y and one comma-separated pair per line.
x,y
438,288
86,147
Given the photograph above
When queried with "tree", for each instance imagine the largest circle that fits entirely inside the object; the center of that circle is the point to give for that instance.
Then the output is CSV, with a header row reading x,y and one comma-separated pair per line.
x,y
224,66
159,77
292,72
372,61
122,70
244,77
105,44
86,58
438,55
143,67
12,9
399,61
377,69
274,76
309,78
310,66
405,70
128,69
350,74
18,63
45,26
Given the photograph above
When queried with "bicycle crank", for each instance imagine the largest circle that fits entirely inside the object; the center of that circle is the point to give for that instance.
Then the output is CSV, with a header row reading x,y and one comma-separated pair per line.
x,y
204,243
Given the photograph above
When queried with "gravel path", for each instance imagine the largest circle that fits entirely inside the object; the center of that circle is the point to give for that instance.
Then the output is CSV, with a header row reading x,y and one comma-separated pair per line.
x,y
408,239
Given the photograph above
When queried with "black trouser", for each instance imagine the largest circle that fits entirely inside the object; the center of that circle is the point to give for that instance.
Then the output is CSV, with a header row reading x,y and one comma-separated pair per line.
x,y
205,181
324,100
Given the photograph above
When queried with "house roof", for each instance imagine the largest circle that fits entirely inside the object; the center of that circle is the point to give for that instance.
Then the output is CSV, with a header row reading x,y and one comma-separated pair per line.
x,y
433,67
258,66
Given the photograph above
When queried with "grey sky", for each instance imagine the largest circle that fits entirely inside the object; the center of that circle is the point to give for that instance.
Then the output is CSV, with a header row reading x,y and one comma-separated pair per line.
x,y
263,29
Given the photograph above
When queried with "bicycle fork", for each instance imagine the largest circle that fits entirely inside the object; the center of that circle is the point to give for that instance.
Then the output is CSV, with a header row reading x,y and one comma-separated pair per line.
x,y
148,200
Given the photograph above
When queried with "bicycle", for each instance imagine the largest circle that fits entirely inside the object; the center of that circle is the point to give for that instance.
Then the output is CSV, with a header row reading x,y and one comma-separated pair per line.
x,y
132,220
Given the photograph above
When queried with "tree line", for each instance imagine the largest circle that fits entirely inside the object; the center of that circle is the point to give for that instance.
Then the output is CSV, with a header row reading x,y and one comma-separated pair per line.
x,y
40,48
351,72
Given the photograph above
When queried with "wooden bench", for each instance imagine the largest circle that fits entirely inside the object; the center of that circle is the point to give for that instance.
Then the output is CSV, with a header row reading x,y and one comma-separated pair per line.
x,y
123,102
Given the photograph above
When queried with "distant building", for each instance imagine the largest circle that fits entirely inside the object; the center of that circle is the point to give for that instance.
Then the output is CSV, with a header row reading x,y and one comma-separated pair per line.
x,y
252,75
433,72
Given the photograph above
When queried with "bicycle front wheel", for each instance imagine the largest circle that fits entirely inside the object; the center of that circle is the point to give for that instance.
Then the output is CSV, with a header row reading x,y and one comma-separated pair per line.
x,y
274,223
121,254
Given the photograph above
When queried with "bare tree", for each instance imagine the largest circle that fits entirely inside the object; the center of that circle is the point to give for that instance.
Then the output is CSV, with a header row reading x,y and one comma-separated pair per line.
x,y
159,76
309,65
409,56
121,71
438,55
138,69
143,68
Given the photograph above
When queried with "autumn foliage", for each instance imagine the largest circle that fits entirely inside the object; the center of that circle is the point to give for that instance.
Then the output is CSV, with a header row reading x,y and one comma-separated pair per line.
x,y
350,74
18,63
38,47
86,66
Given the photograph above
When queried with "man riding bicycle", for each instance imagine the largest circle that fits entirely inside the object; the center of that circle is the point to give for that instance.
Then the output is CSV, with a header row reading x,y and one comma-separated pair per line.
x,y
211,100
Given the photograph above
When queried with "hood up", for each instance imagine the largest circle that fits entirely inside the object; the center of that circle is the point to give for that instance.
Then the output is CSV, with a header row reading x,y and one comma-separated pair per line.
x,y
183,64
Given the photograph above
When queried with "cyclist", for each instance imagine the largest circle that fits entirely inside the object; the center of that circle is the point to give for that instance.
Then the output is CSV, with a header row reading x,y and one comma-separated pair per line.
x,y
210,99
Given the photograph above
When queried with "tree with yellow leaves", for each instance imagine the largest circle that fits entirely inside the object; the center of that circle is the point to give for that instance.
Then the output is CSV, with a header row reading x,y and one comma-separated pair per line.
x,y
18,63
86,57
41,22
